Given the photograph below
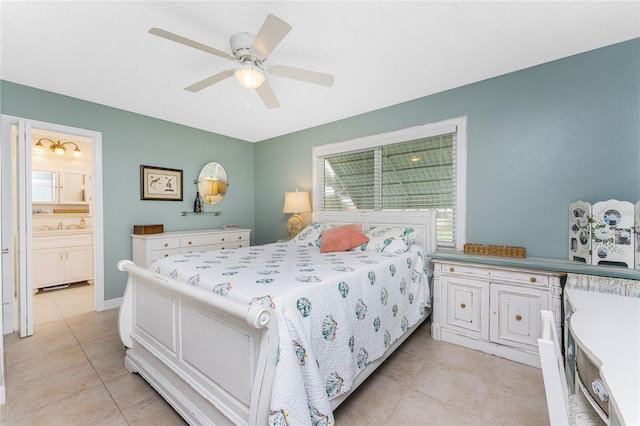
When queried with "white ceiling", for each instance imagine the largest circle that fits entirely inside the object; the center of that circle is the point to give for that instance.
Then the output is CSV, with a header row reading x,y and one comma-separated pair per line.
x,y
381,52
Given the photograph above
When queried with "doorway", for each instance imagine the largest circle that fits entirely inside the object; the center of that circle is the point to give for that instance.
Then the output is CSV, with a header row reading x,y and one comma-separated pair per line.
x,y
54,222
61,197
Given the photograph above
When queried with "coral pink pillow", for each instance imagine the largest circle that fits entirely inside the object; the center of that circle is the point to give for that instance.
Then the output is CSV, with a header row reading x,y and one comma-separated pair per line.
x,y
342,238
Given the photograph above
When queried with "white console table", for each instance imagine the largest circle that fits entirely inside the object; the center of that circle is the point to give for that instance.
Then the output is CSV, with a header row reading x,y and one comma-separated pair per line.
x,y
493,304
606,329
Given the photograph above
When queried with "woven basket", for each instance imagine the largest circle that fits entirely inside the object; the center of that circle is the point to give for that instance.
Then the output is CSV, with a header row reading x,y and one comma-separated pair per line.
x,y
493,250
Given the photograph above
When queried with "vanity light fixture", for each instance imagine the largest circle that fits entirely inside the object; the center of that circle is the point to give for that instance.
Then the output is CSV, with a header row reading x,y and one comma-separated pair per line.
x,y
56,147
296,202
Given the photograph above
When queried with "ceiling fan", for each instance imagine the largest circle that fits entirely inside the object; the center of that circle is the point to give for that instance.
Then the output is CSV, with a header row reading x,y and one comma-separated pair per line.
x,y
251,51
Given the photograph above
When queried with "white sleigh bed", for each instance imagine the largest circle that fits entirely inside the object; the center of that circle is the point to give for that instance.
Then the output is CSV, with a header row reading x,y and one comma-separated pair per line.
x,y
214,359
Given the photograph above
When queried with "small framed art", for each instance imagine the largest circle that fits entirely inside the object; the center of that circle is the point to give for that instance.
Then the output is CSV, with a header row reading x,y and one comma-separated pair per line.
x,y
159,183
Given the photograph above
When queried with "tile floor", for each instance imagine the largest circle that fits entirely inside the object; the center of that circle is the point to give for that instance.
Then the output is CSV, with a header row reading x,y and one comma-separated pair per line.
x,y
70,373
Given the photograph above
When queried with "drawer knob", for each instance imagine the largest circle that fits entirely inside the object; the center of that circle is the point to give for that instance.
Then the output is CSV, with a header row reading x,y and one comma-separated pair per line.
x,y
240,246
221,248
240,237
533,279
165,255
462,305
166,244
600,390
452,269
189,242
222,239
518,317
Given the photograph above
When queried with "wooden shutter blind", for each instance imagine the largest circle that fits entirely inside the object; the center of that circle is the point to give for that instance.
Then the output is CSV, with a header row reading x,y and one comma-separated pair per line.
x,y
411,175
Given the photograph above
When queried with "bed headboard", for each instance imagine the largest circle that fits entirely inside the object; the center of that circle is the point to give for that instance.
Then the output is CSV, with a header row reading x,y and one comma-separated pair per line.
x,y
424,222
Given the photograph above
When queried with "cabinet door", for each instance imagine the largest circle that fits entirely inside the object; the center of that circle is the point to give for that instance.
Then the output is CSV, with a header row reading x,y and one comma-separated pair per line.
x,y
43,186
515,315
73,188
48,267
78,263
467,305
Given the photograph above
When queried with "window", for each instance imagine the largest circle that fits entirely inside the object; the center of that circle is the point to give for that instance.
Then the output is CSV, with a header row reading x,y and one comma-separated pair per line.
x,y
418,168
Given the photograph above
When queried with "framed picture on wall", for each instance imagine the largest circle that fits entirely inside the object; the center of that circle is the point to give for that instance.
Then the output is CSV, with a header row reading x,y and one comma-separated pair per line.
x,y
159,183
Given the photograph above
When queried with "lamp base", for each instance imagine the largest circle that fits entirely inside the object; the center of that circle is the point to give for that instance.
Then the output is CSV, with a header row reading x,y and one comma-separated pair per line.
x,y
294,225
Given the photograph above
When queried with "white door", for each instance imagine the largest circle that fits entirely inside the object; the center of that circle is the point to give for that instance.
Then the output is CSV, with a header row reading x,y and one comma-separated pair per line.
x,y
24,211
5,254
16,225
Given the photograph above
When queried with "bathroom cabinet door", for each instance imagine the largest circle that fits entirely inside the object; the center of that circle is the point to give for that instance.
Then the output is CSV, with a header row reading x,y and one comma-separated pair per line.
x,y
48,267
78,265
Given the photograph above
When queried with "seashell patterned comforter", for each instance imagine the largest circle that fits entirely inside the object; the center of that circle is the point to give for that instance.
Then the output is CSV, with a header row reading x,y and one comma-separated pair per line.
x,y
336,312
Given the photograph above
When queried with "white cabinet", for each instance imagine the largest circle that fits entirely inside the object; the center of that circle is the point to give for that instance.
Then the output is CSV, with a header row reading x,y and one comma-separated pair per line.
x,y
60,187
61,257
146,249
493,308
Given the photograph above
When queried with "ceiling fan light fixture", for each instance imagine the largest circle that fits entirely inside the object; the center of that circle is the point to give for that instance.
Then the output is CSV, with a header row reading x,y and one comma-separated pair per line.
x,y
250,76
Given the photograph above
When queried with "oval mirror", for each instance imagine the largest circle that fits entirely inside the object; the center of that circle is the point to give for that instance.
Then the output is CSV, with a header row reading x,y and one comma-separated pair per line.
x,y
212,183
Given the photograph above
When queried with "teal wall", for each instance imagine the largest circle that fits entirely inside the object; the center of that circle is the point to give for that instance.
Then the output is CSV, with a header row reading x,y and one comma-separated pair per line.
x,y
538,139
129,140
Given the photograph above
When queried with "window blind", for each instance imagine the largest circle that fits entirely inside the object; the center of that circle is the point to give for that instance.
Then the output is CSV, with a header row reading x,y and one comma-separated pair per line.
x,y
417,174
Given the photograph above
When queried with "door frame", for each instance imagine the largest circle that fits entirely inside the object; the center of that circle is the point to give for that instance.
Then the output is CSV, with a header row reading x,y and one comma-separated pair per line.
x,y
6,121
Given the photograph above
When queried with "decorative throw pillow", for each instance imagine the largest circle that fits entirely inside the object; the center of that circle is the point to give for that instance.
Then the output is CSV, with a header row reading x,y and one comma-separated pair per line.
x,y
389,239
310,235
342,238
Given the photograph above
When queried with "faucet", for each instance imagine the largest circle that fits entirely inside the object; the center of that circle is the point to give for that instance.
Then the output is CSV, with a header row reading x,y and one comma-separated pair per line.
x,y
60,225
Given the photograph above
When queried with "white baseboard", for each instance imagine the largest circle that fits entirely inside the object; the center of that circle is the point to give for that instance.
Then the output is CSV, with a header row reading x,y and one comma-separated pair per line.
x,y
112,303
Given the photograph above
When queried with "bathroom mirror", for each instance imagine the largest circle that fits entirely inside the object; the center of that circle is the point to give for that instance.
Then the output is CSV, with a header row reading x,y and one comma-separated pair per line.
x,y
212,183
43,186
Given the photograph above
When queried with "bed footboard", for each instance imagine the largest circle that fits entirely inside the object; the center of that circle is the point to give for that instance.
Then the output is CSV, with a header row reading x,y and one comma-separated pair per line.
x,y
212,358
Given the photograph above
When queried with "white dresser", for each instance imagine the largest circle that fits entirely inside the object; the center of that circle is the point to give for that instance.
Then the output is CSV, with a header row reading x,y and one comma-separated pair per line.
x,y
148,248
492,308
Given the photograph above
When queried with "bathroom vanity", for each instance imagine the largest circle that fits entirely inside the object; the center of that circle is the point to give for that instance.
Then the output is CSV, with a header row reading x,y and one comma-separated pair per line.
x,y
62,257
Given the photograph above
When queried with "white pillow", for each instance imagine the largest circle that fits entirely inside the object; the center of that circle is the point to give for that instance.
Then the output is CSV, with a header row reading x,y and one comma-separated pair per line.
x,y
389,239
310,235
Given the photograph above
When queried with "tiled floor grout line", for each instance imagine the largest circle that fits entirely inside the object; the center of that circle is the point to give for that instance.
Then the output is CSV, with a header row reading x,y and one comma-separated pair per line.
x,y
96,371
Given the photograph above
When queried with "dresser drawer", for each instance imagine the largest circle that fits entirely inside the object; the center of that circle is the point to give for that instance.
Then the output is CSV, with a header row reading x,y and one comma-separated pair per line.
x,y
159,254
523,277
198,240
164,243
236,237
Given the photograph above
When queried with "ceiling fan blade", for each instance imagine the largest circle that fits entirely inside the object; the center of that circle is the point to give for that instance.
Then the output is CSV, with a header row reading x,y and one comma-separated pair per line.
x,y
271,33
267,95
191,43
302,75
203,84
